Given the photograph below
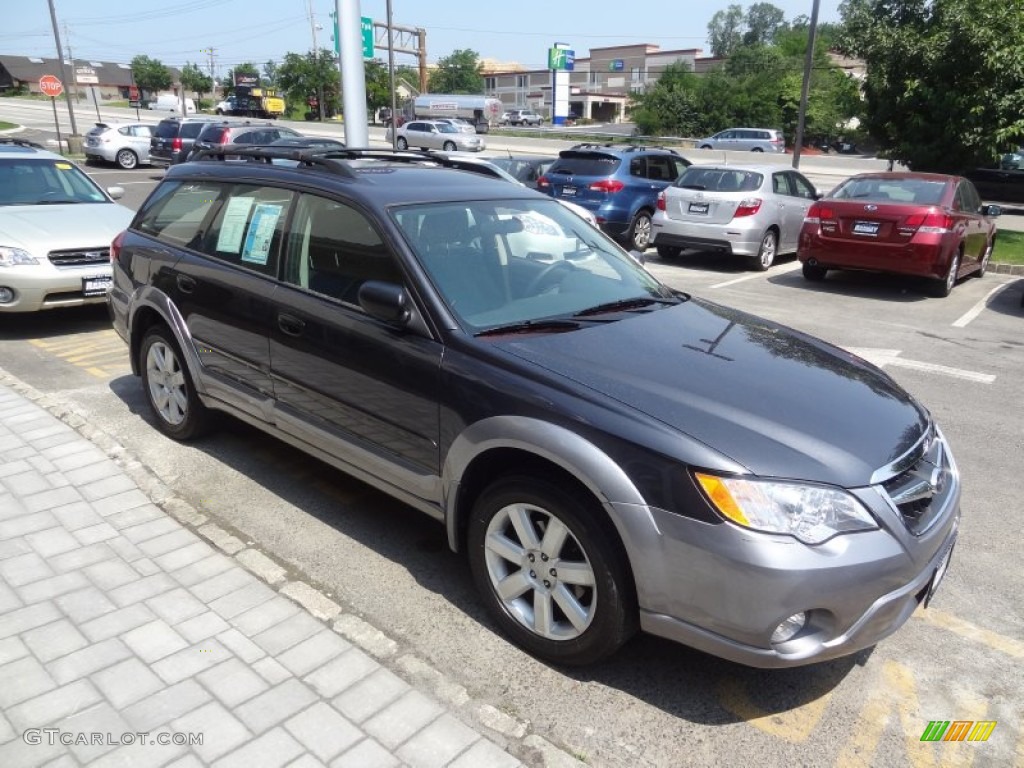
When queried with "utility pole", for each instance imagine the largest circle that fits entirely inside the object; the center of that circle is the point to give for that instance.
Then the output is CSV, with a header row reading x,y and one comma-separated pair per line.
x,y
213,84
316,64
63,69
808,63
391,80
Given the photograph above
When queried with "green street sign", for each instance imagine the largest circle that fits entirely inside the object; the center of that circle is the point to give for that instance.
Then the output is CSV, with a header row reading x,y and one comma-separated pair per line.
x,y
365,26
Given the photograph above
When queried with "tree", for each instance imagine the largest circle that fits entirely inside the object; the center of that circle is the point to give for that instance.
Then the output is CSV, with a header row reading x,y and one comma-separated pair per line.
x,y
670,107
763,21
270,73
305,77
378,85
945,79
195,80
725,31
150,74
458,73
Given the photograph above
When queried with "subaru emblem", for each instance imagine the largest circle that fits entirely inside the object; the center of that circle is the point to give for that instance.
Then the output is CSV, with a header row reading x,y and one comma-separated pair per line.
x,y
870,207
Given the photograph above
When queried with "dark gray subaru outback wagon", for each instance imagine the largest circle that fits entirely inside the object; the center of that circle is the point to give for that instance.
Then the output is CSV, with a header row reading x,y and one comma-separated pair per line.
x,y
610,454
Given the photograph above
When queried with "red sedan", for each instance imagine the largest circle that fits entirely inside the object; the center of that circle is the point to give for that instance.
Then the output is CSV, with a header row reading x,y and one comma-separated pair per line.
x,y
925,224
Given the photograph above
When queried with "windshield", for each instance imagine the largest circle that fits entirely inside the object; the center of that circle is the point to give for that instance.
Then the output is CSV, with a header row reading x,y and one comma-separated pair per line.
x,y
498,263
45,182
888,189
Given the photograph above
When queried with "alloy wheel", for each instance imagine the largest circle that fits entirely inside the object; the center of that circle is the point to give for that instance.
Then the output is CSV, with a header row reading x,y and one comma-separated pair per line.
x,y
166,383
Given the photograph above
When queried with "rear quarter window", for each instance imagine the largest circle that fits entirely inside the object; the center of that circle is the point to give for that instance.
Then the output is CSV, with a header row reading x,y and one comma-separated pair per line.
x,y
166,130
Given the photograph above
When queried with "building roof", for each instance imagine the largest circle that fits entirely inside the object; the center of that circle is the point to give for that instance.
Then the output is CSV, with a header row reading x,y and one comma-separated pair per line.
x,y
28,69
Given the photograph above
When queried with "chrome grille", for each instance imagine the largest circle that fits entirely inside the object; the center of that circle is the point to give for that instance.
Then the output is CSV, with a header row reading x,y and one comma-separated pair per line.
x,y
919,492
79,256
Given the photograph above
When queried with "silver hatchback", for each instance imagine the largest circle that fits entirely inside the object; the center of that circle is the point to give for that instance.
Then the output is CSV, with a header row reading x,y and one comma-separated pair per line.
x,y
428,134
126,144
752,210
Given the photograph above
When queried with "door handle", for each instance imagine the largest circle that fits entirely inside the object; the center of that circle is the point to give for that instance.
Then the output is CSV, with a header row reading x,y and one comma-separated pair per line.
x,y
290,325
186,284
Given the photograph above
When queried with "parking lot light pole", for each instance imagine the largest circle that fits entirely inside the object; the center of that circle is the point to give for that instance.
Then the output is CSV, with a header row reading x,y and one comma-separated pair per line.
x,y
808,63
353,73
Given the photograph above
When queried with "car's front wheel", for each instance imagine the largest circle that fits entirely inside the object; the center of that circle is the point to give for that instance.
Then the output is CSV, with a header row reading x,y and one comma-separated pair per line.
x,y
449,146
549,572
640,231
169,389
127,159
986,257
669,251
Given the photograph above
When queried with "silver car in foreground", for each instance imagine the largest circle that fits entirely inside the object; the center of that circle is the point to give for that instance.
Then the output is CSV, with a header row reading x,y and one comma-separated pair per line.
x,y
428,134
754,211
126,144
56,229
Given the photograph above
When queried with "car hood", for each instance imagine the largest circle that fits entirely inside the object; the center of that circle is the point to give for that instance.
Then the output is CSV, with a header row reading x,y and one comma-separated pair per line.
x,y
40,229
779,402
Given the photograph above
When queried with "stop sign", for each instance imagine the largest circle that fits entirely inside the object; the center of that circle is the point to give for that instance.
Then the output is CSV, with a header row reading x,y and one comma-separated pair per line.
x,y
51,85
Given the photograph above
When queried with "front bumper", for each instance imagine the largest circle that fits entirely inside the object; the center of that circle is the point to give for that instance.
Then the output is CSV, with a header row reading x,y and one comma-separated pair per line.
x,y
723,589
44,286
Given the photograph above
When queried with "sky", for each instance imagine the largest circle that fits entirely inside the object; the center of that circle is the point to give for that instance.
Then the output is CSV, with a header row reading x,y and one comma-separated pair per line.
x,y
520,31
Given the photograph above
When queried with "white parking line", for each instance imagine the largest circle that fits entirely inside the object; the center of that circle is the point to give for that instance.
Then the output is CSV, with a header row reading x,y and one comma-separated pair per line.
x,y
977,309
756,275
884,357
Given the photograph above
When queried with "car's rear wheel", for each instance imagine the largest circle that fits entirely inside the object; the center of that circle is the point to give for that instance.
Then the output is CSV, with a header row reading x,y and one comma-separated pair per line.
x,y
756,149
168,386
669,251
639,236
449,146
127,159
986,257
942,287
766,252
402,143
814,272
549,572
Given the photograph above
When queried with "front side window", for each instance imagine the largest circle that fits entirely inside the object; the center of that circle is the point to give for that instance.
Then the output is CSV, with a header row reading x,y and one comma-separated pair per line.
x,y
801,186
496,263
333,249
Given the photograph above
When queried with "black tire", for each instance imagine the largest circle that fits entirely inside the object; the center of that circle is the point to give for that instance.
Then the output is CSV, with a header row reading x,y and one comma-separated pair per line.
x,y
986,257
449,146
705,146
756,149
814,272
669,251
127,159
605,611
943,286
402,143
169,389
767,251
639,235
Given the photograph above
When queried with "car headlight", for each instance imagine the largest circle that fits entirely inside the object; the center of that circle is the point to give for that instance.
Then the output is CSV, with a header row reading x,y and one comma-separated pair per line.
x,y
10,257
810,513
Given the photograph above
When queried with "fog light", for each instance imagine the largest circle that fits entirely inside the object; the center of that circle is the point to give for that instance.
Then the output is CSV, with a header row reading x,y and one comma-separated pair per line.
x,y
6,295
788,629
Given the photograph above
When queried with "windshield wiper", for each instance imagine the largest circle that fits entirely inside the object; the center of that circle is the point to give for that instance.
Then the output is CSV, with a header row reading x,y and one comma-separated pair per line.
x,y
56,202
623,304
694,186
531,326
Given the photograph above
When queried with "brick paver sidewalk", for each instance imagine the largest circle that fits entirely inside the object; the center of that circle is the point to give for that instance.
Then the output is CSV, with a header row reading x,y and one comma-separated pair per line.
x,y
118,621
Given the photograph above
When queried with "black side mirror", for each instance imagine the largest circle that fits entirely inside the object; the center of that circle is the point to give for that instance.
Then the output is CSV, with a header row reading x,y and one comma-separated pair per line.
x,y
387,302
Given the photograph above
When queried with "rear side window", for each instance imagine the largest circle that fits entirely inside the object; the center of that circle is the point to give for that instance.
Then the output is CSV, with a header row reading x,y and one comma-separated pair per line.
x,y
191,130
585,164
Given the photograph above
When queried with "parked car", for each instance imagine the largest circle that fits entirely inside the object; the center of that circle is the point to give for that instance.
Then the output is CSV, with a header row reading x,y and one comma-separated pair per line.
x,y
299,143
246,133
925,224
1004,184
486,356
168,102
56,226
430,134
525,168
126,144
618,184
457,123
754,211
173,139
752,139
524,117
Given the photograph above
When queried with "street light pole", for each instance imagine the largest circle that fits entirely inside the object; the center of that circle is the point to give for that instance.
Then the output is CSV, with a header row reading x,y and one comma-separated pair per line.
x,y
808,63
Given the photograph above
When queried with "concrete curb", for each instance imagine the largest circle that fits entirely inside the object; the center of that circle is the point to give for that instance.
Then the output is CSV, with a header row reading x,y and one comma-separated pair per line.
x,y
1016,270
509,732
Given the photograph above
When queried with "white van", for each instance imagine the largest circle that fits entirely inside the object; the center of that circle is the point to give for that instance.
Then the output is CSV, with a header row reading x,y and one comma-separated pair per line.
x,y
168,102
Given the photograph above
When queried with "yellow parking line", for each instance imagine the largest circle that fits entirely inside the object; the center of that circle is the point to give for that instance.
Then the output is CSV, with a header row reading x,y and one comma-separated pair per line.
x,y
948,621
794,725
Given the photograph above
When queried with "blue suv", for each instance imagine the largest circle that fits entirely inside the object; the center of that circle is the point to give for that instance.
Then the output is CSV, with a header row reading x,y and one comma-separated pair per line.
x,y
618,184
